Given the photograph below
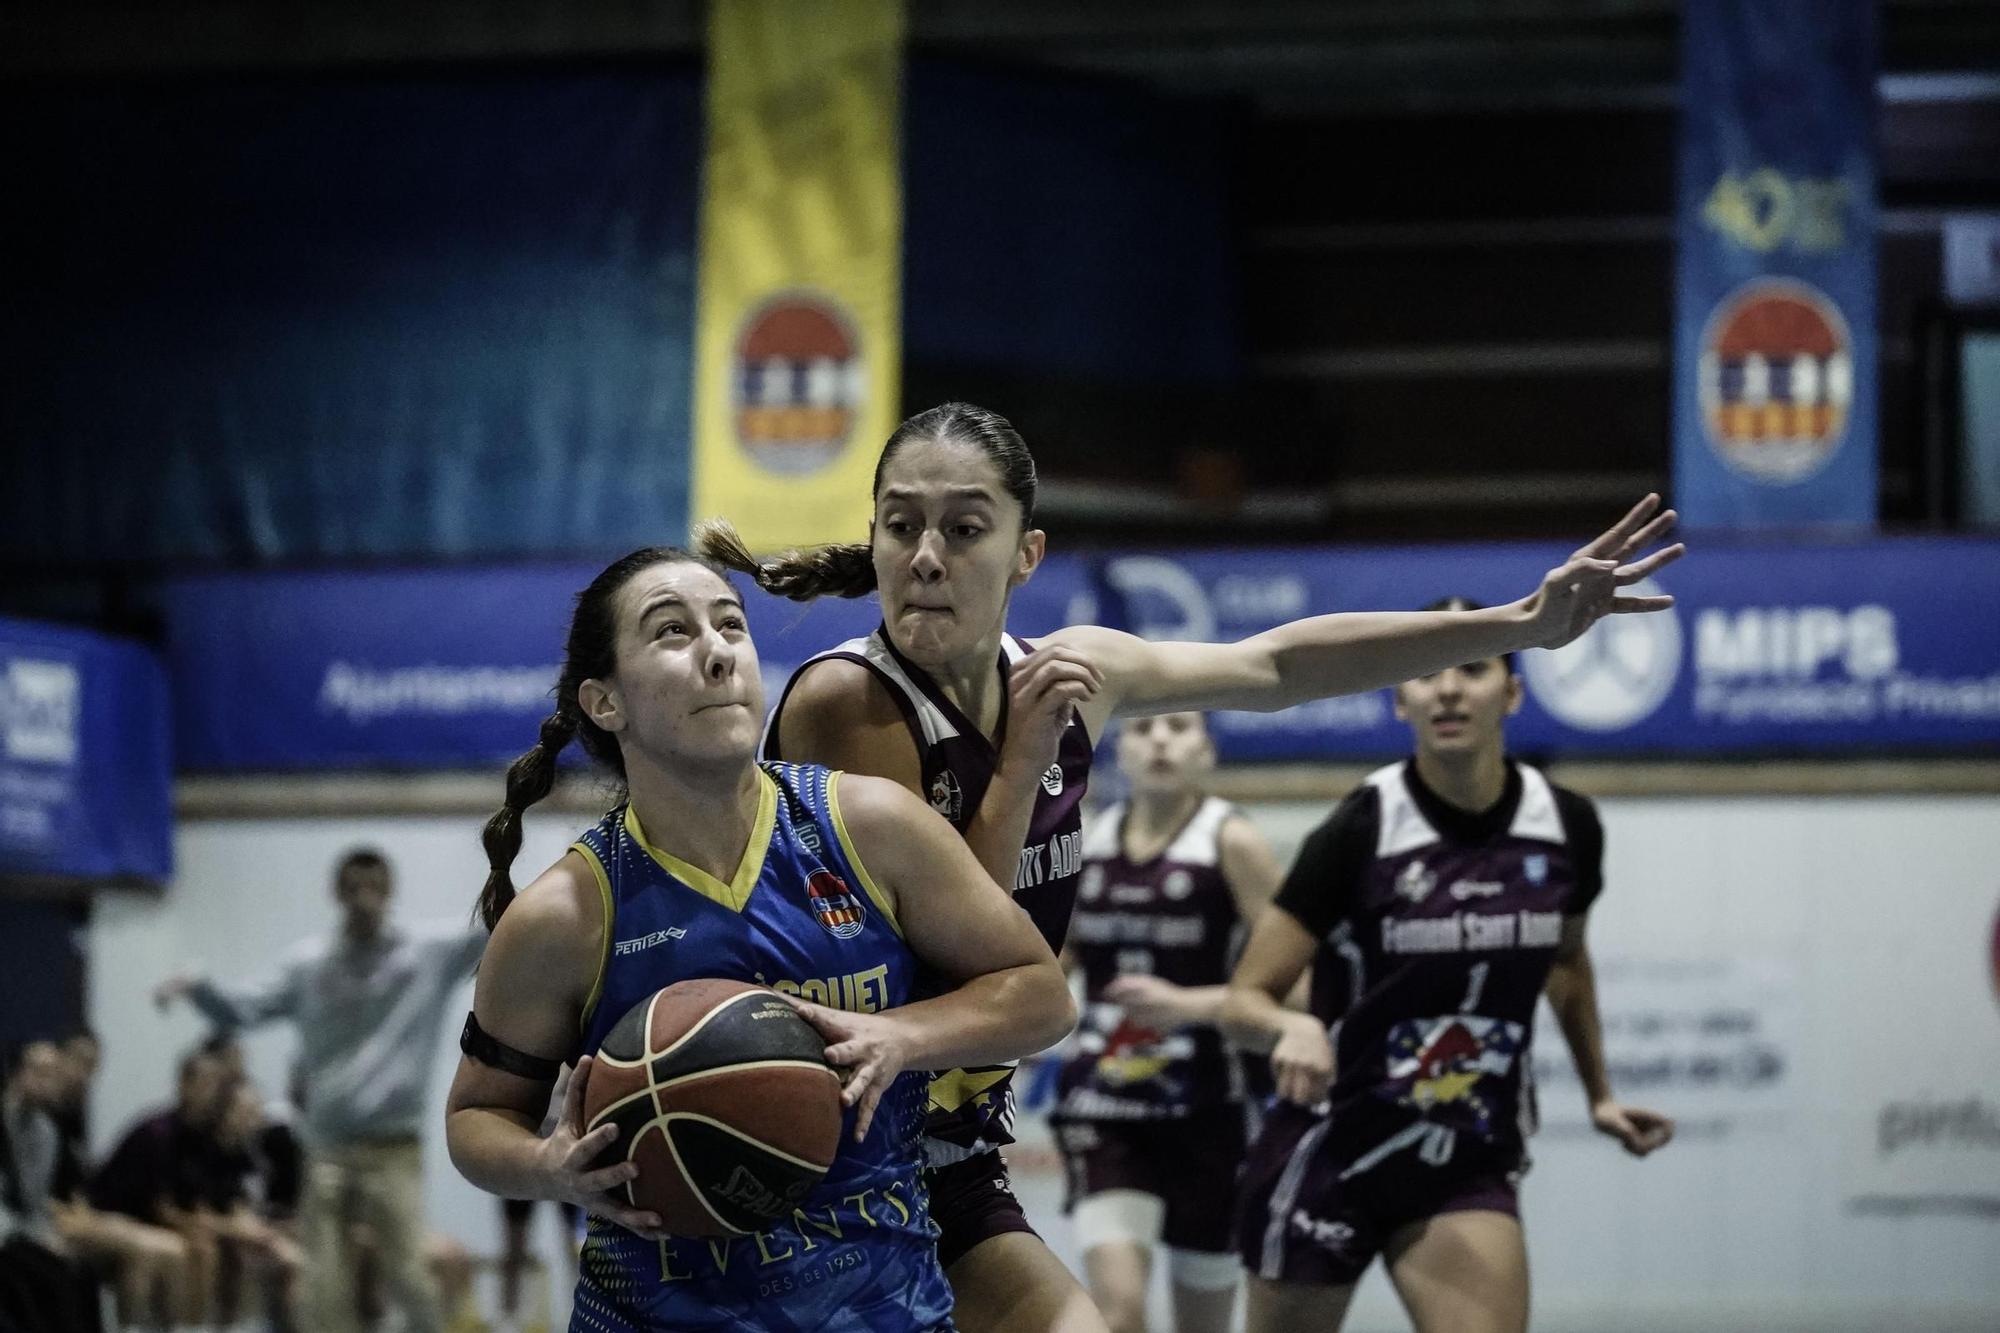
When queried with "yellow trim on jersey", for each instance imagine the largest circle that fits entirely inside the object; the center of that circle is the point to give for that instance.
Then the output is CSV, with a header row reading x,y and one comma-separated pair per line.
x,y
955,1087
736,892
603,958
883,903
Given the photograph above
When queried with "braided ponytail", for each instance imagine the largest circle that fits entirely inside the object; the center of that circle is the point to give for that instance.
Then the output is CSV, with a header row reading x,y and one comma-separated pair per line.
x,y
529,779
591,653
842,569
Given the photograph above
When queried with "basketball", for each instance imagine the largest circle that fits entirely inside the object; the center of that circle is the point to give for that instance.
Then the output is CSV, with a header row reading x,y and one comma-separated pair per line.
x,y
723,1097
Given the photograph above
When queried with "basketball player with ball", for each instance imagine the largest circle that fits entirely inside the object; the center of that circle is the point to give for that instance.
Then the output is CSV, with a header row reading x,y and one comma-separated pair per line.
x,y
996,733
728,957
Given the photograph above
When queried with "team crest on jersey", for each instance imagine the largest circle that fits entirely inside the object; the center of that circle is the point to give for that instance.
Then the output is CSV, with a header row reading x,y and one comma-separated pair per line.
x,y
1177,885
1052,780
1416,882
1536,868
834,905
946,798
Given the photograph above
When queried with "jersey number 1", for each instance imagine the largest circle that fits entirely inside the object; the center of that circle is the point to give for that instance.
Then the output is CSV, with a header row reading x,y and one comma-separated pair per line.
x,y
1473,985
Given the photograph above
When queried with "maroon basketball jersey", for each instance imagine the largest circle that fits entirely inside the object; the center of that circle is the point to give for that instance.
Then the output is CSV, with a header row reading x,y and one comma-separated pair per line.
x,y
1437,930
972,1108
1171,916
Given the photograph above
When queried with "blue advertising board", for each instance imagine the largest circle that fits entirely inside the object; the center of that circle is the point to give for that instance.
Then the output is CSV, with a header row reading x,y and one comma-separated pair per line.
x,y
431,668
1797,647
1823,647
86,775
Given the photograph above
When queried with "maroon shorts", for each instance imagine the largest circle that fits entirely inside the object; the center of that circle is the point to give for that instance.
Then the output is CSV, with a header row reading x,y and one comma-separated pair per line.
x,y
1310,1212
1189,1164
972,1201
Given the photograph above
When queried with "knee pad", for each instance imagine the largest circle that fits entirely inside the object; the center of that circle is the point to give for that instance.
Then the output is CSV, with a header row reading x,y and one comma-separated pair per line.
x,y
1113,1216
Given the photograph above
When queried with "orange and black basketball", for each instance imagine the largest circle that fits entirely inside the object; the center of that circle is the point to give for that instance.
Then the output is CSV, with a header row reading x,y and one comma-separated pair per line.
x,y
723,1097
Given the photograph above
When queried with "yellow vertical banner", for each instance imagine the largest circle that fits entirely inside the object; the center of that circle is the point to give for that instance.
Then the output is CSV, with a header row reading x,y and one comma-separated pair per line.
x,y
798,340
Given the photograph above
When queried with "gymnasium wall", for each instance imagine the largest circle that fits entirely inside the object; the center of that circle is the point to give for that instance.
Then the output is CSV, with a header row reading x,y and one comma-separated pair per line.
x,y
1807,983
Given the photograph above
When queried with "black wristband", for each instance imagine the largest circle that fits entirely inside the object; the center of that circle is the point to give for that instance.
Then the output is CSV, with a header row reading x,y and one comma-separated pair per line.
x,y
488,1049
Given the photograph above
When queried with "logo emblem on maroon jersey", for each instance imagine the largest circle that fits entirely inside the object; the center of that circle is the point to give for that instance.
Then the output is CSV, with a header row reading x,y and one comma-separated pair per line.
x,y
834,905
799,379
1052,780
1415,882
1177,885
946,798
1536,868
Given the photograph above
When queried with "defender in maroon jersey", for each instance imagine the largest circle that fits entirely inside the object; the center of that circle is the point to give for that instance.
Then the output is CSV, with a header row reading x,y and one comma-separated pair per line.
x,y
1435,905
1151,1116
952,536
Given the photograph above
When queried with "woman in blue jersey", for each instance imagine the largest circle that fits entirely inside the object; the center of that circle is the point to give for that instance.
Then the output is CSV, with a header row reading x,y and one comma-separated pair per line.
x,y
703,871
996,734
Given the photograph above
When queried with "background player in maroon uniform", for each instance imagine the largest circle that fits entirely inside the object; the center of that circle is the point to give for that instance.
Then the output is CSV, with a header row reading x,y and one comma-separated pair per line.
x,y
952,536
1152,1116
1433,906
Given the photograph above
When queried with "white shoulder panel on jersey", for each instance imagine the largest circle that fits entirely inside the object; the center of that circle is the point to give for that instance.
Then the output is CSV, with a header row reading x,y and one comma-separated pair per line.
x,y
1198,844
1403,826
1100,833
1537,816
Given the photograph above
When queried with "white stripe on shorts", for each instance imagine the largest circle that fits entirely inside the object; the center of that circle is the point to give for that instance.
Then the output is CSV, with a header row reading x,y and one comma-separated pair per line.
x,y
1285,1195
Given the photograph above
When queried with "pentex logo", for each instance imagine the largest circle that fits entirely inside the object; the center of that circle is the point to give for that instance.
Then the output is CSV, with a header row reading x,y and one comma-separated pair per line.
x,y
41,708
1618,673
799,381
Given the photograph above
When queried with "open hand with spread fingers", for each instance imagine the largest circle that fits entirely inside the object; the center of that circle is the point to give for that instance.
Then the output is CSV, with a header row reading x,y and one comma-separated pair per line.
x,y
1584,589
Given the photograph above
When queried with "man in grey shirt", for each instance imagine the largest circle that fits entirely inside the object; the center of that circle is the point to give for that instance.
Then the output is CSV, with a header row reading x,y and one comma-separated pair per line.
x,y
367,1003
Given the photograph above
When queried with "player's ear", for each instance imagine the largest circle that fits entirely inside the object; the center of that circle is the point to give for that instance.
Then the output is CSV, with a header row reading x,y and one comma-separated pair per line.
x,y
1028,556
601,703
1515,694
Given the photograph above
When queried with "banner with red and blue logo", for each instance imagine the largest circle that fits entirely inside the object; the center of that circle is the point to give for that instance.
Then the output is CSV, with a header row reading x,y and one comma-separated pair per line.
x,y
1774,344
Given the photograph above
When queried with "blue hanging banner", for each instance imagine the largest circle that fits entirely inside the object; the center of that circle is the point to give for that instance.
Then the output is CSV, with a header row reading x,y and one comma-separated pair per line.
x,y
1774,341
86,779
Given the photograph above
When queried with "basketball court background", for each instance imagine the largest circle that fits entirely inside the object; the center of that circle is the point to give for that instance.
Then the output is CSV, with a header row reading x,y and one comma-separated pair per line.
x,y
346,349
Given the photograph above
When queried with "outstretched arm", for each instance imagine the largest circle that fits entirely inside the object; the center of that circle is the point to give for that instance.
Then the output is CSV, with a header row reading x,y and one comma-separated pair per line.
x,y
1351,652
1572,992
242,1005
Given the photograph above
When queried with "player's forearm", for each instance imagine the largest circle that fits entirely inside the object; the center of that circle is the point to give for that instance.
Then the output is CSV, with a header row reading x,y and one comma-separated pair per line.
x,y
999,829
497,1150
1251,1018
238,1007
998,1016
1201,1004
1572,991
1355,651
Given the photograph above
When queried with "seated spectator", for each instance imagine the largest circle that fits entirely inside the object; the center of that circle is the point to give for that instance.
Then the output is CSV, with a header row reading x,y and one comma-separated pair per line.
x,y
167,1167
254,1248
146,1265
43,1289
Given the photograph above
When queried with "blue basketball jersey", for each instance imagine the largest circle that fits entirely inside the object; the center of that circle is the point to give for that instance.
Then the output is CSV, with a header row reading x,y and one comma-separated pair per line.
x,y
802,916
